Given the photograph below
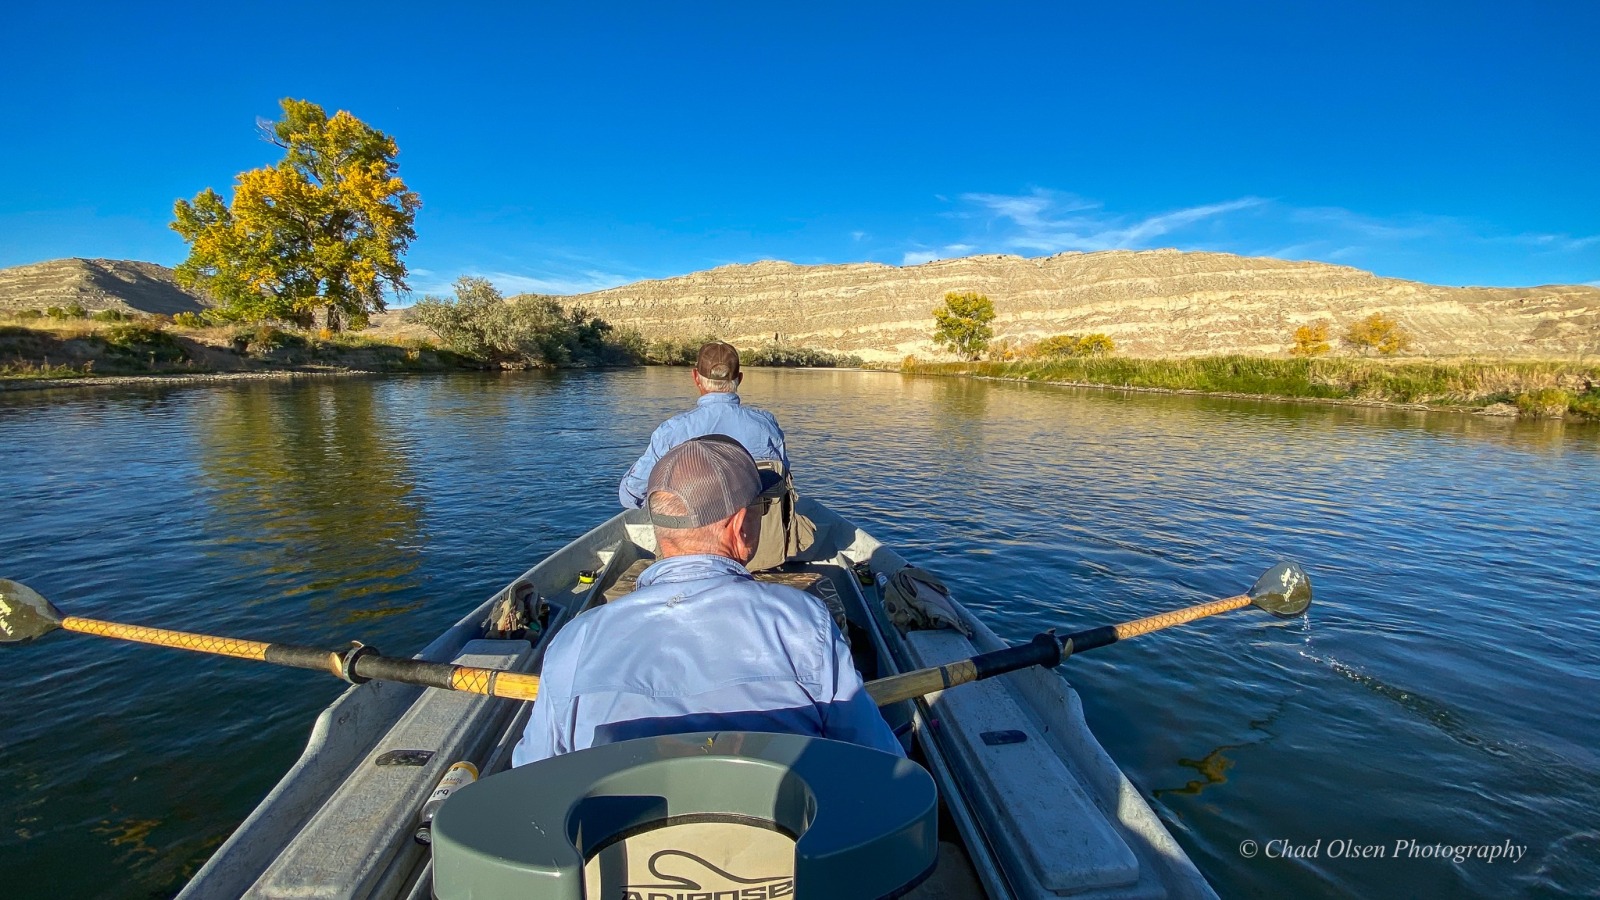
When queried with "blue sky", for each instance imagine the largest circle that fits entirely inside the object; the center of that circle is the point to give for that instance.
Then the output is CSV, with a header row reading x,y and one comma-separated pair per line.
x,y
576,146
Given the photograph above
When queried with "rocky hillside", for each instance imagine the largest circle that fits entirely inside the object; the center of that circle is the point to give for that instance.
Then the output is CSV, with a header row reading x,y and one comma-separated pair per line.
x,y
95,284
1152,303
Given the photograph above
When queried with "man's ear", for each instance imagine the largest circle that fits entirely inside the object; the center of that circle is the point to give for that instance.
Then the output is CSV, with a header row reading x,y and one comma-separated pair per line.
x,y
741,538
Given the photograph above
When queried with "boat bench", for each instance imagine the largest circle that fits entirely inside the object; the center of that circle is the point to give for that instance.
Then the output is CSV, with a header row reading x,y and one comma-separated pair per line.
x,y
1049,826
359,844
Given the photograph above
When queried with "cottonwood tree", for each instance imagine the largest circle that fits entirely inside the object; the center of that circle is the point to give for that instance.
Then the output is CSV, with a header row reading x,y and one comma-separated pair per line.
x,y
1311,340
1069,345
1377,332
961,324
318,235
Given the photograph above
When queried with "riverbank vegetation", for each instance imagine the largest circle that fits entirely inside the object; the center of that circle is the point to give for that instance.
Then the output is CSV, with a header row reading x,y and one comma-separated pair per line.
x,y
475,330
524,332
38,347
1511,387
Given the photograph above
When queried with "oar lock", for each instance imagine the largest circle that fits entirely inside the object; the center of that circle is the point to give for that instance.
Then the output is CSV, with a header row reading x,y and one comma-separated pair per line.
x,y
344,664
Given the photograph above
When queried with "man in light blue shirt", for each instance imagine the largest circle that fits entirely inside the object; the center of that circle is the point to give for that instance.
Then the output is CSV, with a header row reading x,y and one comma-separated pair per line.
x,y
716,375
700,645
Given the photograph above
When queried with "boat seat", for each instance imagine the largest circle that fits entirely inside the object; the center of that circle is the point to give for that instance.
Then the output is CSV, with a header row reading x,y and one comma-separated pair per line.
x,y
1049,825
712,814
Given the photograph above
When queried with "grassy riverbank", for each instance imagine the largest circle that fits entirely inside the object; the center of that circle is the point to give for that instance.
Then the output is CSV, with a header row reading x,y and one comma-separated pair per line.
x,y
1529,388
39,348
45,349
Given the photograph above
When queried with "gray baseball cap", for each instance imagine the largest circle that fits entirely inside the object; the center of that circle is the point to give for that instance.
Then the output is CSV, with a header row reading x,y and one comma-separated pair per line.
x,y
702,481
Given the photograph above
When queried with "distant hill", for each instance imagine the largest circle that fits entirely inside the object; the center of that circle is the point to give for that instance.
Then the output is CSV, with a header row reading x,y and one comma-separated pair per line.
x,y
96,284
1151,302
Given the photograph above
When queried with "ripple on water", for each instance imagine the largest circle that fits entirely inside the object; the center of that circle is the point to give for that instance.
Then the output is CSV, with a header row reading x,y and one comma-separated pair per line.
x,y
1439,692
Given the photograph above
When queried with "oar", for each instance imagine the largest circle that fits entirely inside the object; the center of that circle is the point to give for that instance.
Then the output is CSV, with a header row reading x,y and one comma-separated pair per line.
x,y
24,615
1284,590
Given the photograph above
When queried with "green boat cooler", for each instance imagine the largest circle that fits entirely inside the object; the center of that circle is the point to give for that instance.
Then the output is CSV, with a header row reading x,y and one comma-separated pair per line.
x,y
708,816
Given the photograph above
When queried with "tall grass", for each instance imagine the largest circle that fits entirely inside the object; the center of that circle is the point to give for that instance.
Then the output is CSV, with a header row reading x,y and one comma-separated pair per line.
x,y
1537,388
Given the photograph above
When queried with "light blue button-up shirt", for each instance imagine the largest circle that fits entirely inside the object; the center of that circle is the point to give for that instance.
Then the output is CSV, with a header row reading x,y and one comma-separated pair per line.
x,y
700,645
715,413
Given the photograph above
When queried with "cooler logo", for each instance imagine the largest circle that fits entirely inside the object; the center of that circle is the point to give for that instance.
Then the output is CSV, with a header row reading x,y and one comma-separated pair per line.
x,y
716,885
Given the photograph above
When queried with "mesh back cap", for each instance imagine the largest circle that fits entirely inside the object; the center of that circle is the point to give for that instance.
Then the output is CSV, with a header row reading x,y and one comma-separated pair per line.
x,y
717,361
712,477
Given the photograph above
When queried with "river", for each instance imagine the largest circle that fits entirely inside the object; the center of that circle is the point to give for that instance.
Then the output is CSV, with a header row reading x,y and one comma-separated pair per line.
x,y
1436,694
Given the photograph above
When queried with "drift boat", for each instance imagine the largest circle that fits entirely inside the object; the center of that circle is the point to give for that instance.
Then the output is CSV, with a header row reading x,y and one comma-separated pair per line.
x,y
1028,803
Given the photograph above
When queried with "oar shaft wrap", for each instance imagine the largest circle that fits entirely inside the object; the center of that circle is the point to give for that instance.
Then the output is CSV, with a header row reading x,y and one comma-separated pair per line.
x,y
161,637
368,666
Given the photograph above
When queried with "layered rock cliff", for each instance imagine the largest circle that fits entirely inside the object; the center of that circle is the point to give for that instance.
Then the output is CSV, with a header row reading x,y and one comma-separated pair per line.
x,y
95,284
1152,303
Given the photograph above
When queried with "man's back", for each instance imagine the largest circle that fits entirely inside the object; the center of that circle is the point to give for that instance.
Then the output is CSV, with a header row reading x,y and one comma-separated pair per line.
x,y
700,646
715,413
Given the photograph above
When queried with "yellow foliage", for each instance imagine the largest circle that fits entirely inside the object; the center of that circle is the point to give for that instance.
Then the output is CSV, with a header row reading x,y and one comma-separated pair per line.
x,y
320,232
1065,345
1311,340
1378,332
961,324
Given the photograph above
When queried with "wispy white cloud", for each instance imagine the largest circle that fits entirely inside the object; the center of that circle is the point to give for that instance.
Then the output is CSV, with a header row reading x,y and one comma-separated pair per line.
x,y
513,283
1563,243
1345,221
1050,222
1441,249
858,235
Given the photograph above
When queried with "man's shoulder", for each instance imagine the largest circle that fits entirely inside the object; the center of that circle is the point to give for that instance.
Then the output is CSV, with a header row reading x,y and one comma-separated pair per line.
x,y
800,604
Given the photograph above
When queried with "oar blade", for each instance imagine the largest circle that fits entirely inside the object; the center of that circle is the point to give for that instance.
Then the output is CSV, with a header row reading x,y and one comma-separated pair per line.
x,y
24,615
1285,590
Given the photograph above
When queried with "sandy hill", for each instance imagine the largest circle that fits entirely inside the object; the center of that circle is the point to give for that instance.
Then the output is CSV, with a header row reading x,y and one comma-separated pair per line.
x,y
1151,302
95,284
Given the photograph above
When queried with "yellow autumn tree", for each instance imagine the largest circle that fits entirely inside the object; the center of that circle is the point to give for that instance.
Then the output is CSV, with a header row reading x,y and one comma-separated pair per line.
x,y
317,236
1311,340
961,324
1378,332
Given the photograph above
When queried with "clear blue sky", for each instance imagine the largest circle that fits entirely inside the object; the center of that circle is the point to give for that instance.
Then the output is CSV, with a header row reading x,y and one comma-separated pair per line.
x,y
567,147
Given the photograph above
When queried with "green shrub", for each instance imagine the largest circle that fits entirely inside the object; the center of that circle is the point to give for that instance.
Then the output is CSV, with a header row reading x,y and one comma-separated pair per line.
x,y
137,340
778,355
27,315
530,330
677,351
1548,403
110,315
267,341
189,320
1586,404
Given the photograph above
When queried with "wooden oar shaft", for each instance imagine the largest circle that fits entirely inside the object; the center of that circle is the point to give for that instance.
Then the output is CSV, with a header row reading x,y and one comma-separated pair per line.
x,y
366,666
161,637
1044,650
1110,634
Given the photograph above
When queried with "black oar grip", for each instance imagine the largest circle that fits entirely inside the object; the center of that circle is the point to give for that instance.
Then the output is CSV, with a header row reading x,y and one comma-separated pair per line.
x,y
1043,650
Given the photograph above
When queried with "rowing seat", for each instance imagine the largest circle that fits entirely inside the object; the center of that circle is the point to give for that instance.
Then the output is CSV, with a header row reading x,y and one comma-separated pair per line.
x,y
715,814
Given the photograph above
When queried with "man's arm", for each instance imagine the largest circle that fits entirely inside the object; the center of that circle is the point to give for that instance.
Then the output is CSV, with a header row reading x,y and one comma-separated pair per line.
x,y
630,493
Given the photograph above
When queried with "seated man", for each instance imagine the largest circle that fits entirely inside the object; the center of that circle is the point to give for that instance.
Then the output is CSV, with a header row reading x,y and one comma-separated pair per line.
x,y
716,375
700,645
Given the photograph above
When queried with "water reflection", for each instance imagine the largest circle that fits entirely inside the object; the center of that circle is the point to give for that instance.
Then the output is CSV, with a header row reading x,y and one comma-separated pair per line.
x,y
285,512
295,478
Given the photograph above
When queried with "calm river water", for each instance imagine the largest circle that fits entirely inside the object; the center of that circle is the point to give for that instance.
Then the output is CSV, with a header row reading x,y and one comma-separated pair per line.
x,y
1441,692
